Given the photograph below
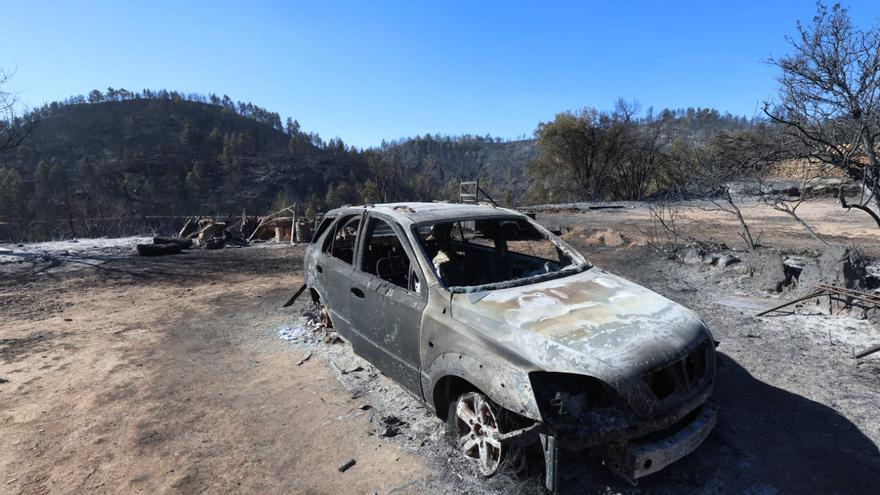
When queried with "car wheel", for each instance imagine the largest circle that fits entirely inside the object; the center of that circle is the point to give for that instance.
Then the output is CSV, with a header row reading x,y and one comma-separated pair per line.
x,y
474,423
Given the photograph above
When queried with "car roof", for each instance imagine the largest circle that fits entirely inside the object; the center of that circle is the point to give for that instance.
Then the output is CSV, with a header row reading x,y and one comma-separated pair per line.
x,y
412,213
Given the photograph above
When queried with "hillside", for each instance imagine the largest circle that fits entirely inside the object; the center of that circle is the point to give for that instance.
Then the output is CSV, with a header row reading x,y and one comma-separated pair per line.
x,y
124,162
500,165
164,155
200,155
110,161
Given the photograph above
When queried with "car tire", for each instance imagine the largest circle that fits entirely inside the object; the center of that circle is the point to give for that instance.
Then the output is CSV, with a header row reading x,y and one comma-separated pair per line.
x,y
473,423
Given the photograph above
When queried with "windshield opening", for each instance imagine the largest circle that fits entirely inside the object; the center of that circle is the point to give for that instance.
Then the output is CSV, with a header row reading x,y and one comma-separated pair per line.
x,y
492,253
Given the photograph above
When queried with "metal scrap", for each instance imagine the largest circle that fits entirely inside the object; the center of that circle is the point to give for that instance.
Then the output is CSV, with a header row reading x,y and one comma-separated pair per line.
x,y
830,291
347,465
305,358
835,293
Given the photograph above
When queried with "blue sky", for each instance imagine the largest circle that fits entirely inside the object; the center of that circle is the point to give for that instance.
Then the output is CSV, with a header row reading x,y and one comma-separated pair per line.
x,y
367,71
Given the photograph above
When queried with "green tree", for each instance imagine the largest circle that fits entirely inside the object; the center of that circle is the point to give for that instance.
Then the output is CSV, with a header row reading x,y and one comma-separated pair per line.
x,y
95,96
195,181
280,202
189,136
369,193
422,188
580,152
312,206
11,191
341,194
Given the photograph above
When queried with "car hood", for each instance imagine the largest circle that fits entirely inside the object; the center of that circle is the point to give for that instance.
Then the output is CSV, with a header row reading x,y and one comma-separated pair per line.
x,y
592,323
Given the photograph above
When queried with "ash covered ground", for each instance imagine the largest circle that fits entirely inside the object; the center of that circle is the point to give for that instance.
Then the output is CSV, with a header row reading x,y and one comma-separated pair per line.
x,y
184,373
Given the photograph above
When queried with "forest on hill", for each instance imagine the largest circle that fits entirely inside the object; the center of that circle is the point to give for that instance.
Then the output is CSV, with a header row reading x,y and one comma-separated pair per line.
x,y
138,155
128,157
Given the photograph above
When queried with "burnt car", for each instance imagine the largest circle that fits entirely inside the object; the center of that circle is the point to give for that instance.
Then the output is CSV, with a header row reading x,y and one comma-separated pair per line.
x,y
512,337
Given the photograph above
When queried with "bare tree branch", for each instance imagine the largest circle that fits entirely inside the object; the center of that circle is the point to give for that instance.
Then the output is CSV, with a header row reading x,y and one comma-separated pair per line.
x,y
829,99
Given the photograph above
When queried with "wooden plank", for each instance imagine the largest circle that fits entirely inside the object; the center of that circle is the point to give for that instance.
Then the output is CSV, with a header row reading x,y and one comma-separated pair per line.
x,y
185,226
868,351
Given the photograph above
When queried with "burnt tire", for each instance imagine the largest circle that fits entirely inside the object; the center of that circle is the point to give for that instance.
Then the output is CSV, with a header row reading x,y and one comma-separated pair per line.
x,y
473,423
158,249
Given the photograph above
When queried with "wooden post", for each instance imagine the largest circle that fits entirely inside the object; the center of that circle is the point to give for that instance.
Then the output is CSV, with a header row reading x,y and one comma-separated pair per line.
x,y
183,230
260,224
293,224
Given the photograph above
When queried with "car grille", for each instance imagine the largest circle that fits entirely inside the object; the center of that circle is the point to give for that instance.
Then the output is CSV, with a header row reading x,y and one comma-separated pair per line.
x,y
681,375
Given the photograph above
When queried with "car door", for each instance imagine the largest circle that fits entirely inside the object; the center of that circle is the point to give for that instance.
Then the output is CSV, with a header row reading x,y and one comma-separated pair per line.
x,y
388,297
334,267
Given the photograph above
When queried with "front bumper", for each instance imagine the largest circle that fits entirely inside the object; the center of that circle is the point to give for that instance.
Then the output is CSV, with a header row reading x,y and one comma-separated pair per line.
x,y
636,458
610,425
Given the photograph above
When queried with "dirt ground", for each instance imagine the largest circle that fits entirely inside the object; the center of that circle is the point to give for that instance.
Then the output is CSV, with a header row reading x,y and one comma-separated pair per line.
x,y
698,220
170,375
165,375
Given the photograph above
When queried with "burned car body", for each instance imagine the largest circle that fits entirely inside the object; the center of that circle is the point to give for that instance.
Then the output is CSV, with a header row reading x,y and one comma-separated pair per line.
x,y
485,315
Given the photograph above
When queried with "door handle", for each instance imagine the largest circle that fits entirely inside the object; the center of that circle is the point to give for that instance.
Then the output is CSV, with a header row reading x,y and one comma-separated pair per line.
x,y
318,267
357,292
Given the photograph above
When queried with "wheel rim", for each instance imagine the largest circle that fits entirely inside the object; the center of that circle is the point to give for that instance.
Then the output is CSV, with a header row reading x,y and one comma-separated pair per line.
x,y
478,432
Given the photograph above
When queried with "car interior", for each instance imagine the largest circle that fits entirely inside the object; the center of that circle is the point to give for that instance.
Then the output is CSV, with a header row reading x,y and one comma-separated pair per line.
x,y
341,244
478,252
384,256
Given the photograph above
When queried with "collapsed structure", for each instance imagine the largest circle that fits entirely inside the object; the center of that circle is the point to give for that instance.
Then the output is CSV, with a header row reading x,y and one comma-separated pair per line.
x,y
218,232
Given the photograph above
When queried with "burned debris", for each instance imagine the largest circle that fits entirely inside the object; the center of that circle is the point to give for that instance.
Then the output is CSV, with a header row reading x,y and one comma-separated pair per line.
x,y
232,231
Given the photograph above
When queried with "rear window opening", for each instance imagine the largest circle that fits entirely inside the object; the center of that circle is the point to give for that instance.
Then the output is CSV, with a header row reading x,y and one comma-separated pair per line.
x,y
486,254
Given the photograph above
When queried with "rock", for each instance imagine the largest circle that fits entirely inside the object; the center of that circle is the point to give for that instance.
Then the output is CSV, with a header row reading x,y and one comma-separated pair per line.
x,y
726,260
613,239
391,426
692,256
767,270
710,259
606,237
837,265
873,275
680,286
741,269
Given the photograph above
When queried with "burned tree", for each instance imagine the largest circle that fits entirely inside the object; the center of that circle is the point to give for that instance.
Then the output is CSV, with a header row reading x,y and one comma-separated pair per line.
x,y
731,159
829,100
13,129
788,202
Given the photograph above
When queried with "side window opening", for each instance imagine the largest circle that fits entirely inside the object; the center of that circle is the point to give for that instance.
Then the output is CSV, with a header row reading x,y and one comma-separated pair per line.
x,y
323,226
523,238
341,244
384,256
